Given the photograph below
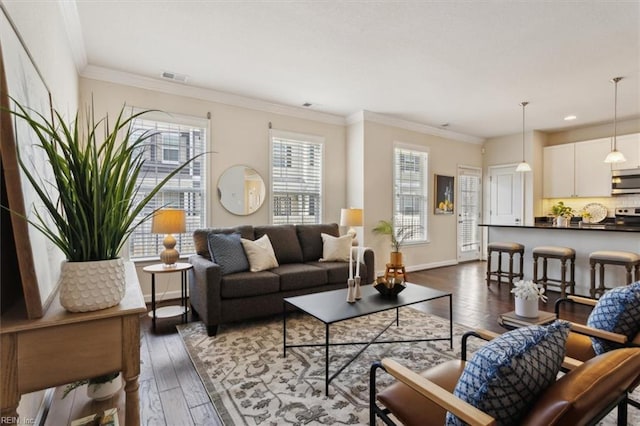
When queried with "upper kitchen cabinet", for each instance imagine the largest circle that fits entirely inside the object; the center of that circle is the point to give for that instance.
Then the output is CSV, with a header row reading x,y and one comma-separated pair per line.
x,y
629,146
559,171
577,170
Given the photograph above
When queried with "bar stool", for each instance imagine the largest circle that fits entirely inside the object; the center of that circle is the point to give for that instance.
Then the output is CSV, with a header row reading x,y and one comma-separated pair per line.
x,y
563,254
624,258
511,249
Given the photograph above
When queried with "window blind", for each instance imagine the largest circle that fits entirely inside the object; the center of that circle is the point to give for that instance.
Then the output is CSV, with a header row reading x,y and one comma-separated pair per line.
x,y
410,194
172,144
296,179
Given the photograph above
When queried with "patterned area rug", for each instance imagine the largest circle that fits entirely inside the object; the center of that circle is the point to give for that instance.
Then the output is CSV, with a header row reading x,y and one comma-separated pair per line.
x,y
251,383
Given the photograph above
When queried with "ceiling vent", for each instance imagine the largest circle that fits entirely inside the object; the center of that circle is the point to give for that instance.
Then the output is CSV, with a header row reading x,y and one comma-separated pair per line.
x,y
180,78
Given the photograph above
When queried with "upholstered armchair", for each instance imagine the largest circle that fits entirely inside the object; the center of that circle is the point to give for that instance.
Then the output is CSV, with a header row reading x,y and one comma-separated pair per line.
x,y
582,396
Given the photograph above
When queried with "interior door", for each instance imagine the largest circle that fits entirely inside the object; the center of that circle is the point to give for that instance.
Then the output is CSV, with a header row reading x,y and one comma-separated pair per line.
x,y
469,208
506,195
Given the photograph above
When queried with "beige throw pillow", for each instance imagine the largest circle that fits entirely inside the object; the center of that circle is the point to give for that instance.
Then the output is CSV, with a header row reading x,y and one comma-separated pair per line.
x,y
260,254
335,248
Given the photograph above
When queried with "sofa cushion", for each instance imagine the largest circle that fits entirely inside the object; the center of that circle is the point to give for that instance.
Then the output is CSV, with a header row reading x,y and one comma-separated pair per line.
x,y
296,276
337,272
260,254
284,240
311,241
505,376
201,242
245,284
336,248
618,311
226,250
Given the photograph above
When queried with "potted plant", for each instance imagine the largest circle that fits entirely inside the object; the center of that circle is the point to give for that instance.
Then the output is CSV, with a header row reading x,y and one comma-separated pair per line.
x,y
98,388
562,213
527,294
398,235
95,202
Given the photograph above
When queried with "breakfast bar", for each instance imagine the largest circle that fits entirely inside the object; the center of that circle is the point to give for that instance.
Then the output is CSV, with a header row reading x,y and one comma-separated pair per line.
x,y
585,239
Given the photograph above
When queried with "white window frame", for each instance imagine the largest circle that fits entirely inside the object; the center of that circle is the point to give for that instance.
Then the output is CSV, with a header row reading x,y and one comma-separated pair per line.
x,y
193,221
297,138
426,192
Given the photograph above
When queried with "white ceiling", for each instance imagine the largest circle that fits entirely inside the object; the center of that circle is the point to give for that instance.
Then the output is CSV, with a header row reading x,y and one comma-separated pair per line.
x,y
468,64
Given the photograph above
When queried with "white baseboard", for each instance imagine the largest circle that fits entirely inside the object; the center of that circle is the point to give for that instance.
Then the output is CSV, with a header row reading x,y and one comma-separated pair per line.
x,y
423,266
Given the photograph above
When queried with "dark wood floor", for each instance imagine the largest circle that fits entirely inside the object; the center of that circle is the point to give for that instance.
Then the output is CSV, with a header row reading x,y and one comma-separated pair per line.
x,y
171,392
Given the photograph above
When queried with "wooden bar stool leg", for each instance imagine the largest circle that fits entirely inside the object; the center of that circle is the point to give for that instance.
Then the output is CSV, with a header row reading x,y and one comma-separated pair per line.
x,y
601,288
637,272
544,273
511,268
522,265
563,277
499,268
535,269
489,268
592,288
629,279
573,275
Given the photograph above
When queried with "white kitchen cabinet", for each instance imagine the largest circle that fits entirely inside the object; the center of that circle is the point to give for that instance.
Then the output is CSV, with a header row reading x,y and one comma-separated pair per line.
x,y
558,167
629,146
577,170
593,175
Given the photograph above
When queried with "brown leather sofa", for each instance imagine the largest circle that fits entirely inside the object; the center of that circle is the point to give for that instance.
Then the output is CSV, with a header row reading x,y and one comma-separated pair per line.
x,y
587,393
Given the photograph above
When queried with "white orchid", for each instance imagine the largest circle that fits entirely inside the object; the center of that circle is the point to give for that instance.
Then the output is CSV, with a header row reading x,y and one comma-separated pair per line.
x,y
528,290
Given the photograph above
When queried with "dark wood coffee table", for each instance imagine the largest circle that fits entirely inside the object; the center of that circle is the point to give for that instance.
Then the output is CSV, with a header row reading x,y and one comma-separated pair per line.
x,y
331,307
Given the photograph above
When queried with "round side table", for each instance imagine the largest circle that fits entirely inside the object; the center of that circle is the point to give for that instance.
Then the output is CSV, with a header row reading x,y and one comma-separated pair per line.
x,y
173,310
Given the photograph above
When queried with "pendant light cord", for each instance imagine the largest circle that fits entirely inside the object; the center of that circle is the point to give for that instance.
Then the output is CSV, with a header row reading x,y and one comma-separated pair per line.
x,y
615,112
524,104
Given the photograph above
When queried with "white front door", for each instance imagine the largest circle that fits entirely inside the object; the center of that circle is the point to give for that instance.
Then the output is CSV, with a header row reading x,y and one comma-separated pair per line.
x,y
469,212
506,198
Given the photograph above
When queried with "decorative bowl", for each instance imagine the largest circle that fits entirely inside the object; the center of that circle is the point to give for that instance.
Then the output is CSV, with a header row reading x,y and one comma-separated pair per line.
x,y
389,287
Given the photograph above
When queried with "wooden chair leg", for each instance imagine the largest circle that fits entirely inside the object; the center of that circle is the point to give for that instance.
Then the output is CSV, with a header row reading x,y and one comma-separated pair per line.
x,y
592,288
489,268
563,277
601,287
629,278
535,269
522,265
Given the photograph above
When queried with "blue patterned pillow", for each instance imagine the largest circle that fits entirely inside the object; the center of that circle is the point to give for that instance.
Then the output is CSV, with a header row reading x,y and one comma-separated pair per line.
x,y
505,376
618,311
226,250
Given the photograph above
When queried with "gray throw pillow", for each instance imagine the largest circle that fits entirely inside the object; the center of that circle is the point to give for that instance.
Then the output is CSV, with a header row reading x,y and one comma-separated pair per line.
x,y
227,251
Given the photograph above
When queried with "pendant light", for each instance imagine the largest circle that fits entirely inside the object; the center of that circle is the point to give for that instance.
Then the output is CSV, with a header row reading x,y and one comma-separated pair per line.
x,y
523,166
615,156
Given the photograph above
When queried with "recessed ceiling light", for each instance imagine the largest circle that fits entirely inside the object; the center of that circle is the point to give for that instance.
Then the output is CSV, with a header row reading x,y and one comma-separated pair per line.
x,y
169,75
570,117
307,104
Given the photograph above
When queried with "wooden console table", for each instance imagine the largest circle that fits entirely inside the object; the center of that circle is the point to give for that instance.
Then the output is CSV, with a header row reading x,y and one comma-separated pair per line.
x,y
62,347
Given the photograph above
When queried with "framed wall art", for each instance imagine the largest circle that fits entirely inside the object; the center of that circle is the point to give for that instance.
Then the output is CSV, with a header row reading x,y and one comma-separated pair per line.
x,y
444,196
39,260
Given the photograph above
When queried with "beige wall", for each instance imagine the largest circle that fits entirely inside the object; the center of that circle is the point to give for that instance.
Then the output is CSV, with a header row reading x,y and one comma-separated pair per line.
x,y
444,157
238,136
593,132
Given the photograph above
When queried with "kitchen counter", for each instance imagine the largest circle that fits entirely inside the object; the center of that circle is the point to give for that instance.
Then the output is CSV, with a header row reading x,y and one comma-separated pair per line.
x,y
584,239
574,226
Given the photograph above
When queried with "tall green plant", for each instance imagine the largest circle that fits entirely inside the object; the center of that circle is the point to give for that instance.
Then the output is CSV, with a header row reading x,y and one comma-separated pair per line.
x,y
95,208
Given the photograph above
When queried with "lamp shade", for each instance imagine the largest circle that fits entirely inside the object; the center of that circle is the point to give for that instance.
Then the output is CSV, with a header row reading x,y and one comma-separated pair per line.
x,y
351,217
168,221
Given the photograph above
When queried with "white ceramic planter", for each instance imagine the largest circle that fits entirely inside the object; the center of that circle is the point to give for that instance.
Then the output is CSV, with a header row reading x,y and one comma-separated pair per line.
x,y
104,391
91,286
526,308
562,222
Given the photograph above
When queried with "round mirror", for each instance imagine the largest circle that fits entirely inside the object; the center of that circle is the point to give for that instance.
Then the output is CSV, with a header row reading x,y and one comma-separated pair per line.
x,y
241,190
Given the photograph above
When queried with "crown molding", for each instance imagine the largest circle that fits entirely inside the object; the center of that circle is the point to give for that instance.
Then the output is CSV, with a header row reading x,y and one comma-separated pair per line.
x,y
69,12
179,89
411,125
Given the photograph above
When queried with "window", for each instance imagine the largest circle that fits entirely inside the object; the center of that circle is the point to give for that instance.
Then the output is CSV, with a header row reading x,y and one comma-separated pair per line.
x,y
296,178
176,139
410,178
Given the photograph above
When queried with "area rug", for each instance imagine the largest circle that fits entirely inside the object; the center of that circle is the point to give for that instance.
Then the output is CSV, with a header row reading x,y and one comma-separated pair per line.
x,y
251,383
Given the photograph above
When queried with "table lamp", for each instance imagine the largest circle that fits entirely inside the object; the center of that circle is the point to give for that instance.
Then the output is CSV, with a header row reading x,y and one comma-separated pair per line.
x,y
168,221
351,217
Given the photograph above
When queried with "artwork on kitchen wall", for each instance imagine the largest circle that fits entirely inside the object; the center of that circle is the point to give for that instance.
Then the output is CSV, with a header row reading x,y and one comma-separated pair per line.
x,y
444,199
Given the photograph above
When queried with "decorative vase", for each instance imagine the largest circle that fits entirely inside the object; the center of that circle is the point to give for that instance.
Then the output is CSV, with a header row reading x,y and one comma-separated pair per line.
x,y
395,259
104,391
91,286
526,308
562,222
